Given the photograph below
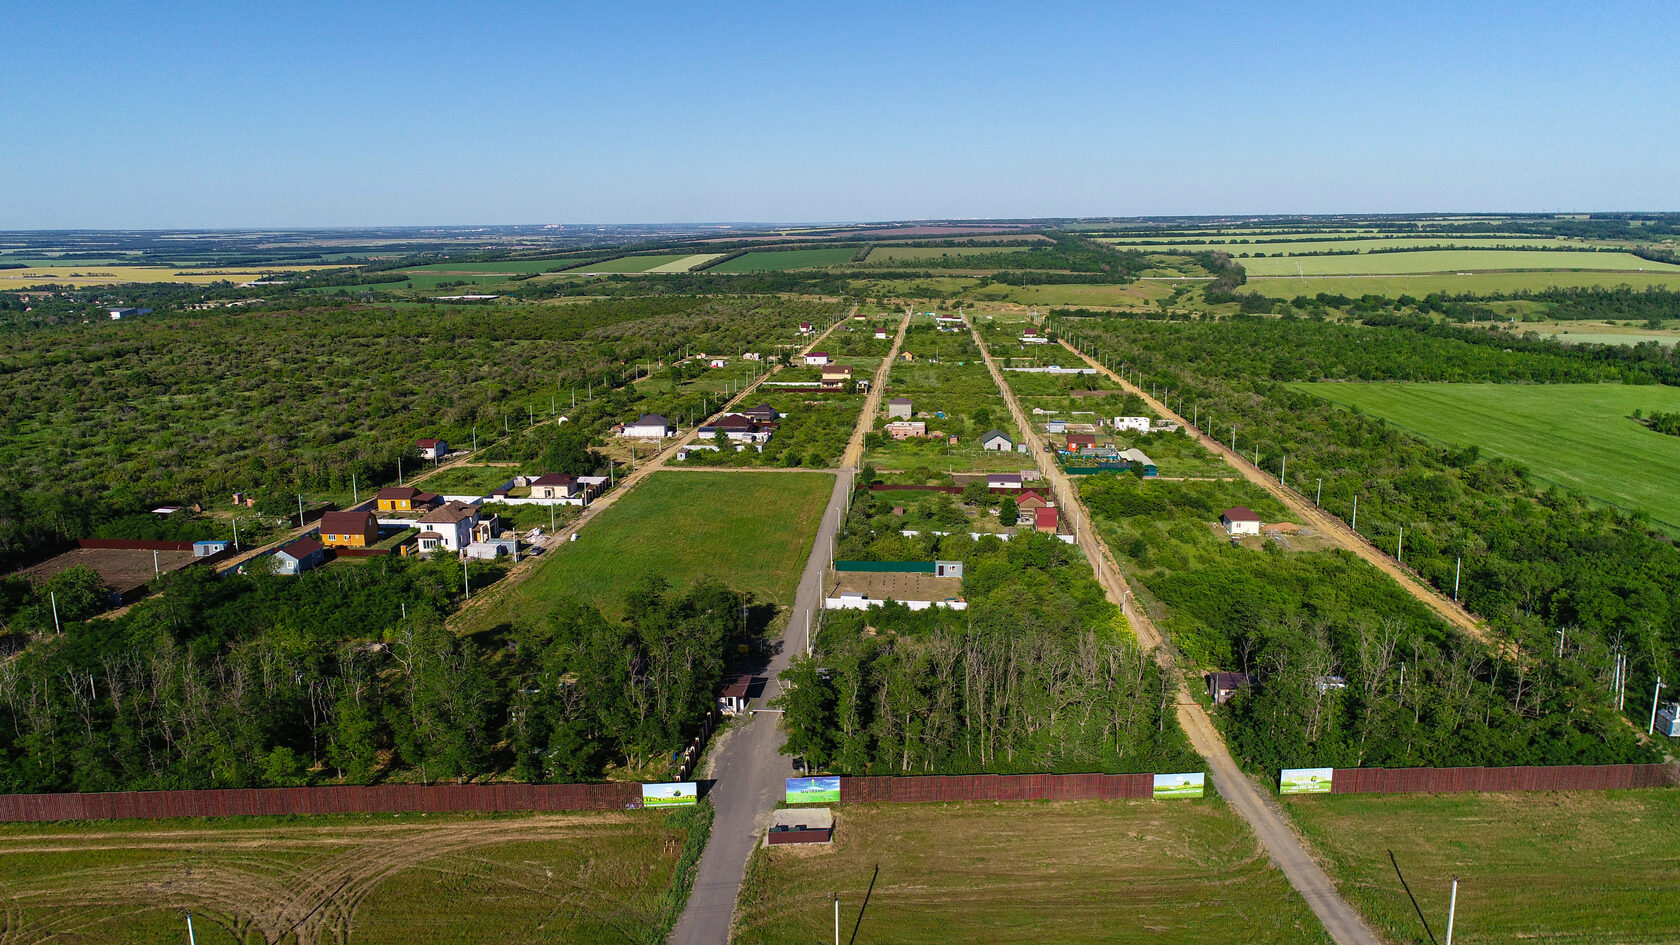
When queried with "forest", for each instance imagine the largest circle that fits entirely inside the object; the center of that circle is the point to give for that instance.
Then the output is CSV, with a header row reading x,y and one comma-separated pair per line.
x,y
1566,584
347,675
1040,672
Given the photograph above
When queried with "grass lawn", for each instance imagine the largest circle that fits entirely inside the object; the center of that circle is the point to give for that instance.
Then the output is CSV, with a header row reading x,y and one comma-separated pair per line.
x,y
1475,282
1577,435
467,480
1044,872
1562,868
584,877
776,260
750,530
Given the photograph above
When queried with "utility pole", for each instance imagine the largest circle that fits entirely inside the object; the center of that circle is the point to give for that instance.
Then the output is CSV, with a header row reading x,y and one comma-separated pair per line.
x,y
56,627
1561,631
1355,523
1400,545
190,939
836,919
156,571
1318,493
236,533
300,510
1452,910
399,461
1233,438
475,440
1655,695
1457,569
1284,472
355,495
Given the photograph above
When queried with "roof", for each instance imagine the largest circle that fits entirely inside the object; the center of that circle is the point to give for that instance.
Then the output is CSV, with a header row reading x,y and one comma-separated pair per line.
x,y
816,354
1228,680
899,400
553,479
1003,477
738,687
344,523
398,492
1029,494
650,420
300,549
427,444
1239,513
432,535
1137,456
994,432
1045,517
448,513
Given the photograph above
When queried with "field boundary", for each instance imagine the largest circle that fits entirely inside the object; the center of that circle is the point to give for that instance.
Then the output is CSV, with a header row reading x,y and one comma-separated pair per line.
x,y
1488,780
349,799
996,787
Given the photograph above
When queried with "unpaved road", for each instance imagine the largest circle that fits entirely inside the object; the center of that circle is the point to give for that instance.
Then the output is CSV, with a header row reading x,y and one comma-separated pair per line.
x,y
1270,827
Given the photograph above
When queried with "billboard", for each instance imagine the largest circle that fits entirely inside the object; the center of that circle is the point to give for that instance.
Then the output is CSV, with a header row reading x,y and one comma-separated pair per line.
x,y
1178,785
675,794
813,790
1305,780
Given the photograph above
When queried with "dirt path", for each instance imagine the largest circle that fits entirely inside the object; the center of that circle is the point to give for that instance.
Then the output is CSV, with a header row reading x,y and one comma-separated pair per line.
x,y
1324,522
644,469
1255,806
853,457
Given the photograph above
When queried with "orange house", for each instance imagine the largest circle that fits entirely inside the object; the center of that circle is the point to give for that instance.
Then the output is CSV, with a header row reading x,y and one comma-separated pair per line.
x,y
349,529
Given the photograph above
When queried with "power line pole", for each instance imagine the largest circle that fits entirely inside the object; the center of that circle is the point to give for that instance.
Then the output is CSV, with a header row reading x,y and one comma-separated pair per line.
x,y
1457,569
1355,523
1655,695
1452,910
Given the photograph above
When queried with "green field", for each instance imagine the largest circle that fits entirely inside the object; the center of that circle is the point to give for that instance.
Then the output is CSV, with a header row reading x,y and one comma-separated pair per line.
x,y
1362,244
749,530
1450,261
1606,337
591,878
468,480
912,253
1052,873
1419,286
778,260
1577,435
1562,868
505,267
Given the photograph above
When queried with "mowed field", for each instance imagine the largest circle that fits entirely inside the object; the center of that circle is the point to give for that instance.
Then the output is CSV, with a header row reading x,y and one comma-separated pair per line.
x,y
1577,435
93,274
663,262
1285,245
1452,283
1560,868
596,877
1050,873
749,530
778,260
912,253
1449,261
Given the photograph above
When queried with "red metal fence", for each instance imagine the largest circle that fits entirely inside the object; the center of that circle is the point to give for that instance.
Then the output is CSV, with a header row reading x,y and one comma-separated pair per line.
x,y
1554,778
997,787
385,798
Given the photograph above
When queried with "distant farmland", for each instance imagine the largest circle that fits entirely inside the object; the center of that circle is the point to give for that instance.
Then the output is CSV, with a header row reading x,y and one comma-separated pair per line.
x,y
1476,282
1577,435
664,262
777,260
1449,261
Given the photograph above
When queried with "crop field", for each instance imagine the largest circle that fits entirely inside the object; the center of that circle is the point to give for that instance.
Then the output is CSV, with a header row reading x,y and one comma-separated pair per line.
x,y
1362,243
749,530
1564,868
507,267
910,254
1602,335
1577,435
685,263
779,260
1134,295
94,274
1419,286
663,262
1053,873
589,878
1451,261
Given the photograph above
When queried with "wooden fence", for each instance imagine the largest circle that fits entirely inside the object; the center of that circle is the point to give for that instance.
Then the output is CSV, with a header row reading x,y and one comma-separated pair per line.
x,y
997,787
384,798
1552,778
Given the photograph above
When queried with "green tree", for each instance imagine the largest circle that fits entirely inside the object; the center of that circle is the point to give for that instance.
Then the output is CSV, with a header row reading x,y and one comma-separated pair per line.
x,y
1009,512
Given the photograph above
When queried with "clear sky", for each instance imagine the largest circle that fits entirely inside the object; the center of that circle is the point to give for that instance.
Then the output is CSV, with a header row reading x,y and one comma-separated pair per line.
x,y
219,114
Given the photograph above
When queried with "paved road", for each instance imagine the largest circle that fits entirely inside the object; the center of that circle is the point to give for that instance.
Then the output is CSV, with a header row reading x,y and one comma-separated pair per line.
x,y
747,760
1255,806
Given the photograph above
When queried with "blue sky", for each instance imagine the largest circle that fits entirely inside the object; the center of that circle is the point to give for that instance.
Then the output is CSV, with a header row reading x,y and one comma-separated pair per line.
x,y
318,114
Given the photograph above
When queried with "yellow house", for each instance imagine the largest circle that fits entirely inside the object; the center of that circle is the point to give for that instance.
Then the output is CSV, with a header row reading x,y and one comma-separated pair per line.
x,y
349,529
403,499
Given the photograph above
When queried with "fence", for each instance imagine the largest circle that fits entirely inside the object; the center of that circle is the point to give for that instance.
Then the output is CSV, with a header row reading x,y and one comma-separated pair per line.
x,y
384,798
134,544
905,567
997,787
1552,778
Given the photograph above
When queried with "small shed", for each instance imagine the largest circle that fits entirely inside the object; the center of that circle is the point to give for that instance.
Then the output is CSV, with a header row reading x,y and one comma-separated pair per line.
x,y
801,825
1003,480
1058,426
900,408
734,698
493,548
1221,686
204,549
997,441
432,449
299,556
1668,720
1240,520
948,569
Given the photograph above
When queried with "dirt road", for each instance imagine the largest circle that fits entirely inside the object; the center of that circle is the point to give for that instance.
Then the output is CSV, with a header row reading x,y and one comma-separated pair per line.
x,y
1270,826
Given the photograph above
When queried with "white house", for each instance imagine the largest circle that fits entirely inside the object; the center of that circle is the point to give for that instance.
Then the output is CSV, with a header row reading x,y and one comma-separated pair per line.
x,y
1140,424
738,429
719,362
900,408
1239,520
449,527
805,328
816,359
1034,339
432,449
1058,426
117,314
997,441
1003,481
649,426
554,486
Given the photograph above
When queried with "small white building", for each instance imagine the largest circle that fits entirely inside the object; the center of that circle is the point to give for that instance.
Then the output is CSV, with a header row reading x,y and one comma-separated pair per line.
x,y
432,449
880,334
649,426
997,441
1003,481
719,363
805,328
118,314
1138,424
816,359
1058,426
494,548
554,486
900,408
1240,520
